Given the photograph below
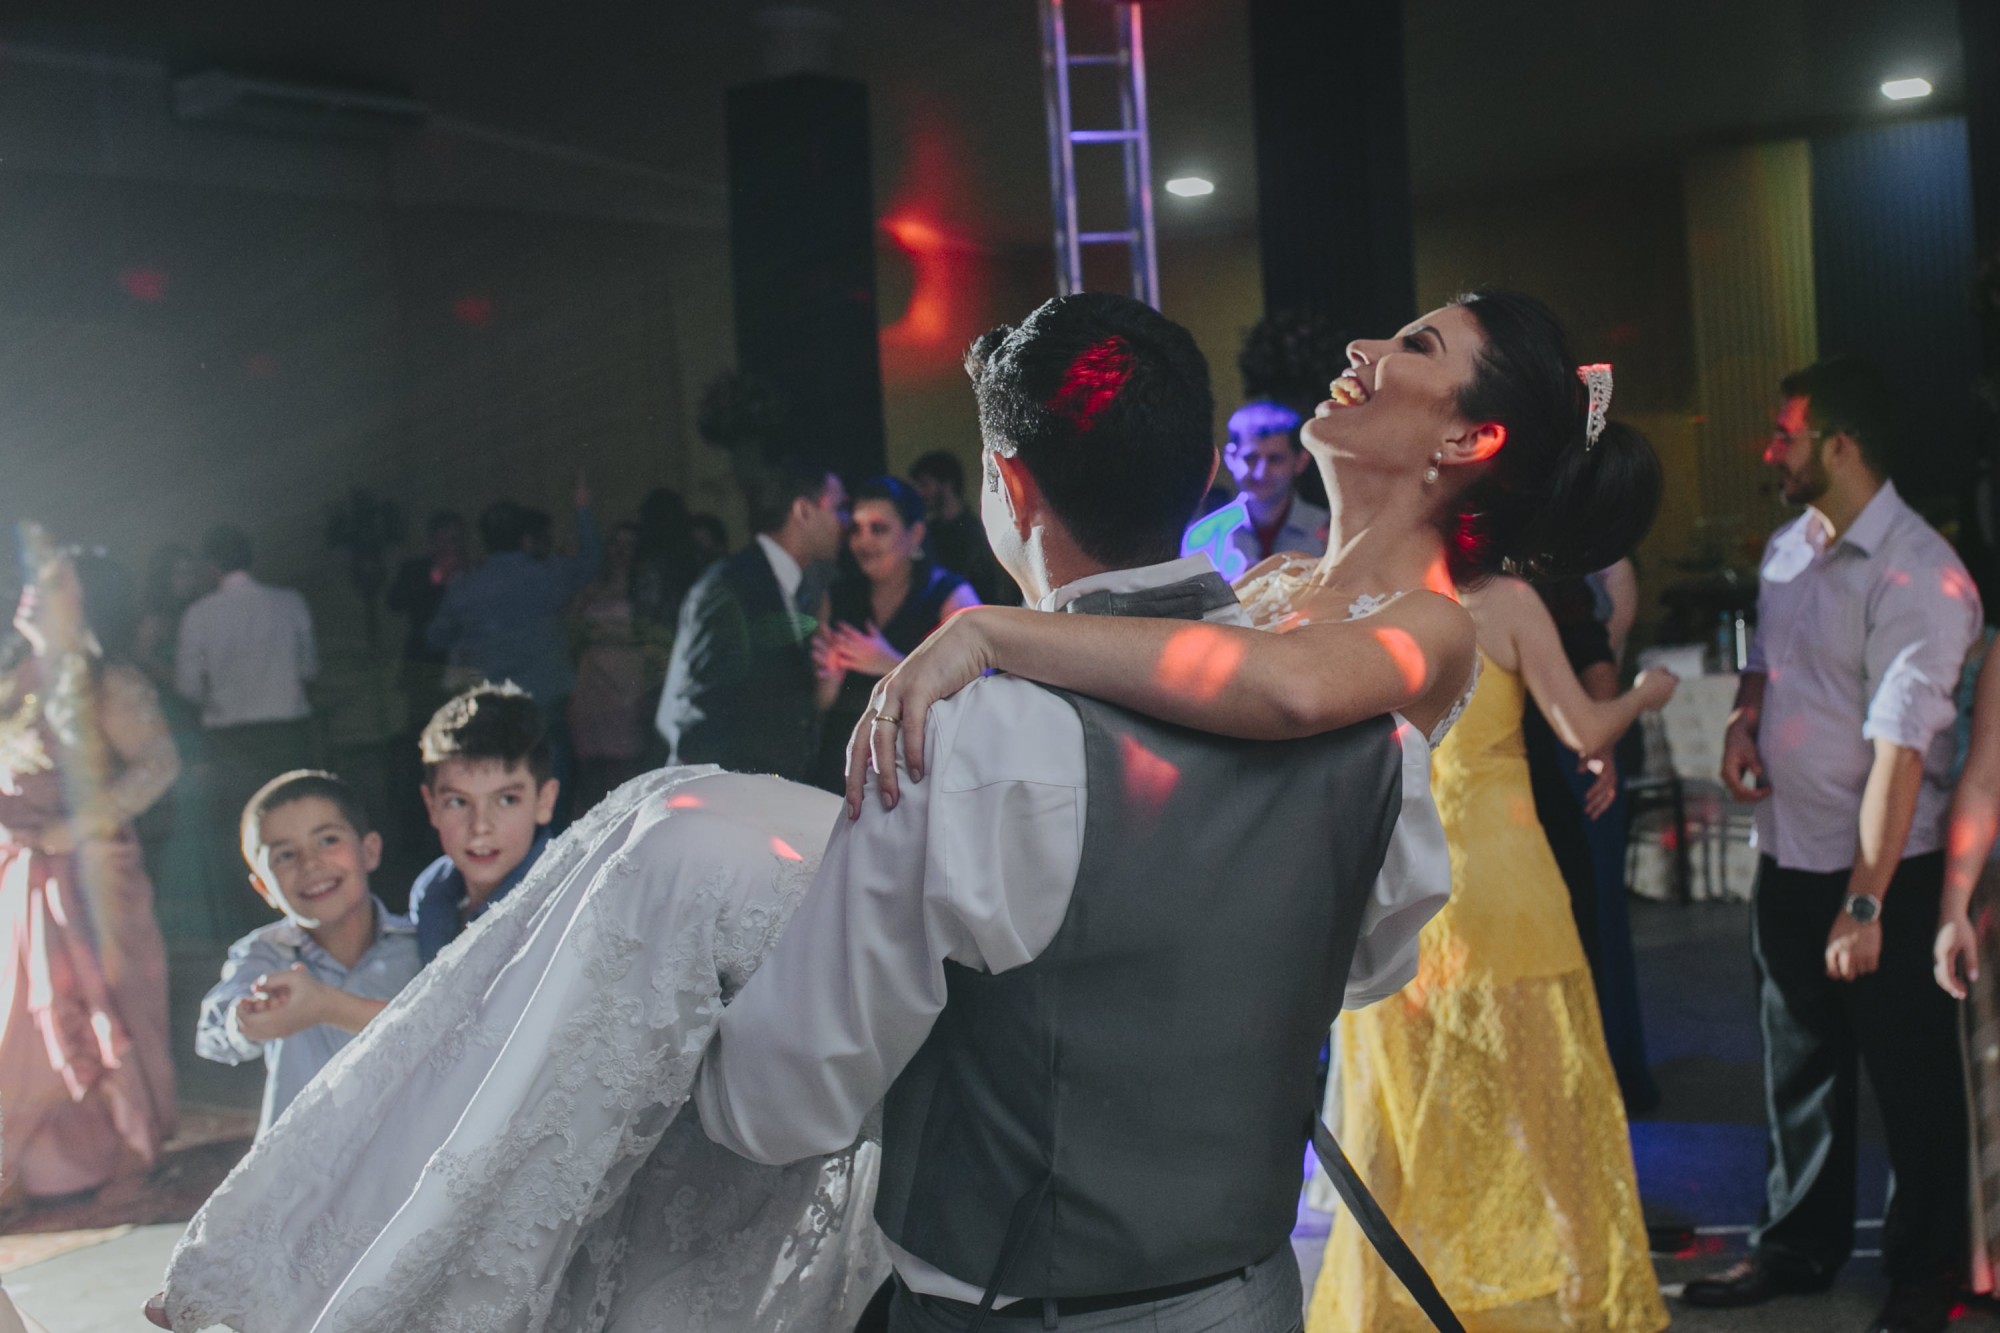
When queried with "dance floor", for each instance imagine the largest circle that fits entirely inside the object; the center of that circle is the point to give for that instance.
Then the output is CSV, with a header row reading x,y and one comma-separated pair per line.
x,y
1700,1155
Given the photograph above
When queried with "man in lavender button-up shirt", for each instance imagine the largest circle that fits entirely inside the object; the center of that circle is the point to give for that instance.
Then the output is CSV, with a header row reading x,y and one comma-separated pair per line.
x,y
1842,736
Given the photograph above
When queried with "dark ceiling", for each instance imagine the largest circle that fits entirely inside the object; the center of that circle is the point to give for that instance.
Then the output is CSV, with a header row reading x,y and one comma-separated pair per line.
x,y
1498,89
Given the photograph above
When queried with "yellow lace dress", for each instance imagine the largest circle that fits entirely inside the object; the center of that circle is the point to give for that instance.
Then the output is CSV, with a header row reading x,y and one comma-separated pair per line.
x,y
1479,1103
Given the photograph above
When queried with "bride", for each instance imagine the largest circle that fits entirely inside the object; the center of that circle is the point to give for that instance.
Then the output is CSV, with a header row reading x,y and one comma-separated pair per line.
x,y
503,1147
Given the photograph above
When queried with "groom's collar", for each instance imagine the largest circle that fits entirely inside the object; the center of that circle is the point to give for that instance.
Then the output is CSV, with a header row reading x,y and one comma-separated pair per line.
x,y
1140,579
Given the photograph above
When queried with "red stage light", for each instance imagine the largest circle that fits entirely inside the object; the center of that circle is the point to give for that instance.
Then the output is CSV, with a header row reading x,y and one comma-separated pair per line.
x,y
144,284
473,311
1092,383
1149,779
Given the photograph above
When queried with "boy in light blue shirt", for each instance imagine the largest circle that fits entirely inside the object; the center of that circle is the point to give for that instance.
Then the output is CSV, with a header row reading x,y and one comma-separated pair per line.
x,y
297,990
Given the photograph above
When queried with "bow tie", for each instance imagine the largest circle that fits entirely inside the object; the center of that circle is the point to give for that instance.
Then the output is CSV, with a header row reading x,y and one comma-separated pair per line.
x,y
1189,599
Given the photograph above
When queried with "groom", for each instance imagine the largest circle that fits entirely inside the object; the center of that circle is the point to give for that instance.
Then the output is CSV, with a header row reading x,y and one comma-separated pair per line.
x,y
1074,965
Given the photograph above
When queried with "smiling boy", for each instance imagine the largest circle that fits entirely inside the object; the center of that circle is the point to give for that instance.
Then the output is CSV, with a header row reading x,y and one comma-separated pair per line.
x,y
297,990
490,794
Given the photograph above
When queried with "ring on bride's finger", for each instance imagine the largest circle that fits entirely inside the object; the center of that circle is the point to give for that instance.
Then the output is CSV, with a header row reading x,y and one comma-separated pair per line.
x,y
884,717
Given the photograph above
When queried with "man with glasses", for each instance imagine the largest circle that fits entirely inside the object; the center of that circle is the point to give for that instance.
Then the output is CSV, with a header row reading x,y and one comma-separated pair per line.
x,y
1842,737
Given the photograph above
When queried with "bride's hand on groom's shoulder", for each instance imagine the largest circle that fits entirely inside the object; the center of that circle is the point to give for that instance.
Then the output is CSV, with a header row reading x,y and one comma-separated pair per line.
x,y
957,653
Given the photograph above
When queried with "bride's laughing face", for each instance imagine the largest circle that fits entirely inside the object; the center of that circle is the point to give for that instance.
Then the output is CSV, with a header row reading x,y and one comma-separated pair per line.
x,y
1397,402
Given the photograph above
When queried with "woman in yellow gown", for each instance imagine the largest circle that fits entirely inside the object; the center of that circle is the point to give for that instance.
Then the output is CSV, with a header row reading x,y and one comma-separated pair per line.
x,y
1479,1103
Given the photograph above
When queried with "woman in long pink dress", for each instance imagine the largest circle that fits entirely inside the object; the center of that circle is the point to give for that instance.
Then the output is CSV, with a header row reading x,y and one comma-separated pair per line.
x,y
86,1078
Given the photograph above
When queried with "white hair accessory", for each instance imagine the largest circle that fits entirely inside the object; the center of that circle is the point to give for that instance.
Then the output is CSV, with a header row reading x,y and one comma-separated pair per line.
x,y
1597,381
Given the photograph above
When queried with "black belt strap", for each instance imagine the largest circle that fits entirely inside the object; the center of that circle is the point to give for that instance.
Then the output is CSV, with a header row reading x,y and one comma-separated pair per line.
x,y
1381,1233
1368,1215
1017,1232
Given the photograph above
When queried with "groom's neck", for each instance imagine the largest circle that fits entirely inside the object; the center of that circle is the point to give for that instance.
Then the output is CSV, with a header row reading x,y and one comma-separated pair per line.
x,y
1062,560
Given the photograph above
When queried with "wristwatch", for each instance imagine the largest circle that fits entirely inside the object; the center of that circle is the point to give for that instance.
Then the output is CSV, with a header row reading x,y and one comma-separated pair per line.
x,y
1865,908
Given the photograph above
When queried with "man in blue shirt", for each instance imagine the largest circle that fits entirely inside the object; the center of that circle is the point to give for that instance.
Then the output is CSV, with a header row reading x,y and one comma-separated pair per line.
x,y
504,620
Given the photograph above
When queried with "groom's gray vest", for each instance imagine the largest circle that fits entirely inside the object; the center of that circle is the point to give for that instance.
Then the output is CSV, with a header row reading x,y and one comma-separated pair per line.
x,y
1130,1109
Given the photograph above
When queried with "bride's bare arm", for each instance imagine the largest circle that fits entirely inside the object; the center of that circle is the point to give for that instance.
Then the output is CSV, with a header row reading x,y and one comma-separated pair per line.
x,y
1413,657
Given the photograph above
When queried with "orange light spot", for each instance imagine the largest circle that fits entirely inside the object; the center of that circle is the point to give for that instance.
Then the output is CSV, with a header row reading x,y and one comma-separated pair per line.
x,y
781,848
1961,836
1149,779
1956,585
1408,658
1199,662
1900,577
685,801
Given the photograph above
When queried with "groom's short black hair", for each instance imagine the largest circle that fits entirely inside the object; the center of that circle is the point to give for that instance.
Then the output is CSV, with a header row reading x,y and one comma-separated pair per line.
x,y
1107,403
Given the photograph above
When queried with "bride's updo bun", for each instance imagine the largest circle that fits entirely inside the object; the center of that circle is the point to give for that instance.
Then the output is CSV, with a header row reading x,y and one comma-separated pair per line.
x,y
1550,501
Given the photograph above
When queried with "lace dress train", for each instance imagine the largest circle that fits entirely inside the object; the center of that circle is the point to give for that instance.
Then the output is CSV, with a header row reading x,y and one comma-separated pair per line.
x,y
503,1147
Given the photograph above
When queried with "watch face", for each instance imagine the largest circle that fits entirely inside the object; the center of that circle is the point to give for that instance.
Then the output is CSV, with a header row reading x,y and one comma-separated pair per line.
x,y
1863,908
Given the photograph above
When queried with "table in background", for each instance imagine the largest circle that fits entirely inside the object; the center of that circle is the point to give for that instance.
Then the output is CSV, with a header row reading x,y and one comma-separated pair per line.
x,y
1717,829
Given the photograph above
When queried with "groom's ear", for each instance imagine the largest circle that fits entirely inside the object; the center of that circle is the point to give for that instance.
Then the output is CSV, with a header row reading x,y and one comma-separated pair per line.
x,y
1018,488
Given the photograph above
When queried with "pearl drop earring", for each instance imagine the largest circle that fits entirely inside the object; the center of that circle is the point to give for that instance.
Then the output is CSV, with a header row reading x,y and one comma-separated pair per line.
x,y
1431,472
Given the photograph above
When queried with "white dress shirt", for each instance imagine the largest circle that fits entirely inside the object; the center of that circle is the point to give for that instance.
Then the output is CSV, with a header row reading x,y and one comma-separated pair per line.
x,y
787,570
245,654
976,864
1859,641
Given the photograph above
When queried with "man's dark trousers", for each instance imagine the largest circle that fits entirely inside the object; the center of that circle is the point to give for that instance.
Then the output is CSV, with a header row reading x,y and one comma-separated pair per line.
x,y
1817,1030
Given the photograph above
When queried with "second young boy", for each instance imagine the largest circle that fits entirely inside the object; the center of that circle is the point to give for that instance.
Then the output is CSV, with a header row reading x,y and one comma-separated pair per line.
x,y
490,793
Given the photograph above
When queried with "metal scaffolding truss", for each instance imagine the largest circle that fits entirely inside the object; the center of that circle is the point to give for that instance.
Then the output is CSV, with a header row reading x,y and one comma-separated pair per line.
x,y
1127,63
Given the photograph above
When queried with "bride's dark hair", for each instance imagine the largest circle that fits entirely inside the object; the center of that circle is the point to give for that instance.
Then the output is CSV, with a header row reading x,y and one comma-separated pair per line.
x,y
1546,503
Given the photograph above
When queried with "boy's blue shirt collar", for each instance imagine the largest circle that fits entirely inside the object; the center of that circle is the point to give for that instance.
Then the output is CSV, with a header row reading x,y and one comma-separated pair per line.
x,y
292,935
438,892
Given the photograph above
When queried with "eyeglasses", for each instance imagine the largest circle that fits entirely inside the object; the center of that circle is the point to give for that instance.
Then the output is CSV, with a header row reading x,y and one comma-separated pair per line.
x,y
1780,433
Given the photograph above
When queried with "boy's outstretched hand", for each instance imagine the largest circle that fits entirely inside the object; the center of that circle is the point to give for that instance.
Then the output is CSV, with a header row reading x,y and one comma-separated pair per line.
x,y
282,1003
279,1004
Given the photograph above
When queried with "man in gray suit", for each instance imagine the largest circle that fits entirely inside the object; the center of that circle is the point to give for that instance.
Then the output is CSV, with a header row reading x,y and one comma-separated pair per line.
x,y
1092,1036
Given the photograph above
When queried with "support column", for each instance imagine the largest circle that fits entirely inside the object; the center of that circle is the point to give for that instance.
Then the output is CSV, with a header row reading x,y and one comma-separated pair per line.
x,y
802,253
1333,161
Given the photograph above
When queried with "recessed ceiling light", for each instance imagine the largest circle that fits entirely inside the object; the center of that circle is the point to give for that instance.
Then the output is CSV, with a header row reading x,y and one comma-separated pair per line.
x,y
1190,187
1902,90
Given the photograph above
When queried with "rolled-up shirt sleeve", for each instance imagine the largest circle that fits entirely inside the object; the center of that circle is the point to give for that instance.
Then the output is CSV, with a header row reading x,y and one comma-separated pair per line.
x,y
216,1036
1923,624
1413,886
961,869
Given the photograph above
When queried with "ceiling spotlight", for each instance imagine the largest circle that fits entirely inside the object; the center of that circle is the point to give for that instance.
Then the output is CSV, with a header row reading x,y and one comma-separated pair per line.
x,y
1900,90
1190,187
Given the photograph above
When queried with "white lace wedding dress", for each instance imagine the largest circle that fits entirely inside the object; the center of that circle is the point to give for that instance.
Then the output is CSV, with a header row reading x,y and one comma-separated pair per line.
x,y
504,1147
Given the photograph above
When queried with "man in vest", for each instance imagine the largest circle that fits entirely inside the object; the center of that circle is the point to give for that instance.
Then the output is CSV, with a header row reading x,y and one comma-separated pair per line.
x,y
1082,977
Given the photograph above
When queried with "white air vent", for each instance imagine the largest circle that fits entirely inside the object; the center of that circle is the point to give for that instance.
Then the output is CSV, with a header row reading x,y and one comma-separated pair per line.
x,y
217,97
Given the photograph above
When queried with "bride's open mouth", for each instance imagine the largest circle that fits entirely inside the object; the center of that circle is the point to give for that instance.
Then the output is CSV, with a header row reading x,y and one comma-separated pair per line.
x,y
1347,390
